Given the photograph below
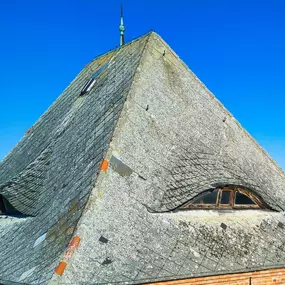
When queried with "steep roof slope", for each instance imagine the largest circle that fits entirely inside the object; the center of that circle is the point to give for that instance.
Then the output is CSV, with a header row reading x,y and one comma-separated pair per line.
x,y
173,140
49,175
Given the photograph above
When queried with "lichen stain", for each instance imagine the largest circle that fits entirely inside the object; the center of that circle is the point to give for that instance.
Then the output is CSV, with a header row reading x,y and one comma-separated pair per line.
x,y
70,231
175,81
242,240
61,231
99,195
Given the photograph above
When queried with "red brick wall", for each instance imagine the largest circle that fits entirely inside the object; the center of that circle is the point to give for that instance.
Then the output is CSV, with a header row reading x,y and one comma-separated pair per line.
x,y
265,277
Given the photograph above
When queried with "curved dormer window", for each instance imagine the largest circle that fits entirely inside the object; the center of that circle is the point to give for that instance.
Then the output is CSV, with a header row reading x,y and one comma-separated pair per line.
x,y
224,198
7,209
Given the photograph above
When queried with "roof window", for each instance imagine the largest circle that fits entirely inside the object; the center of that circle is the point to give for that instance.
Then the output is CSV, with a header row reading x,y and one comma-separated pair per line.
x,y
7,209
225,198
90,83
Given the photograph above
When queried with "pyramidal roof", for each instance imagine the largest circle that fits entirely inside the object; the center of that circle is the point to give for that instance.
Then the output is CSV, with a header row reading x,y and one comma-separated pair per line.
x,y
163,138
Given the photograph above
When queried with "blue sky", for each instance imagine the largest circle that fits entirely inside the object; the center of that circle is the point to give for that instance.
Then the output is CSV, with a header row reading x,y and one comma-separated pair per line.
x,y
235,47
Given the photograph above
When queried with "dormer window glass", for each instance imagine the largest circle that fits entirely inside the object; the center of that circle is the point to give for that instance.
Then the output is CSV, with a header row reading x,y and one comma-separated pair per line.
x,y
6,208
242,199
225,197
206,199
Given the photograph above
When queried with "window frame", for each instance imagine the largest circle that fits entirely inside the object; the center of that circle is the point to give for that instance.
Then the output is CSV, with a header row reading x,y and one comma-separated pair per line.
x,y
258,204
190,204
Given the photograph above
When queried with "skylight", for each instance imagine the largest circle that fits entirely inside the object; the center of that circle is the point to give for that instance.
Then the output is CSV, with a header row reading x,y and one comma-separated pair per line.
x,y
90,83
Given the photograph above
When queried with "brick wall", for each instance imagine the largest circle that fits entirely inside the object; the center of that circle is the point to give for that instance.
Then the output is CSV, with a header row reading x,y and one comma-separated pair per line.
x,y
265,277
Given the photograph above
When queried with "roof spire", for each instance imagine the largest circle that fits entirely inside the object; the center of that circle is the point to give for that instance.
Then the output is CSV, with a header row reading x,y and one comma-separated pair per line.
x,y
122,28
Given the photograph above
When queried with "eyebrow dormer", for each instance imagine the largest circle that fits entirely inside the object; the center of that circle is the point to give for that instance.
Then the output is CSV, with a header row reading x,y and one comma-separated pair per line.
x,y
7,209
225,198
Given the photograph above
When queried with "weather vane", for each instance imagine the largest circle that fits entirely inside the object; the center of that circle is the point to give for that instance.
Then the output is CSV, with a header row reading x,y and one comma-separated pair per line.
x,y
122,29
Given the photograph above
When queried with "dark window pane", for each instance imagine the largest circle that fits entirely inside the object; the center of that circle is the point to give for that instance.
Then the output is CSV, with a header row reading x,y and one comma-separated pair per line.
x,y
6,208
2,206
10,210
207,198
88,85
242,199
226,195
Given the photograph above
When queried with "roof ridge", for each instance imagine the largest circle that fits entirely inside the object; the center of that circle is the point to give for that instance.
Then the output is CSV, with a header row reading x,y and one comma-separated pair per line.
x,y
221,105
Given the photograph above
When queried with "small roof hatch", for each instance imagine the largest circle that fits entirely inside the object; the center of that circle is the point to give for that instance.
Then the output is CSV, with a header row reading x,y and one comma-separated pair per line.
x,y
90,83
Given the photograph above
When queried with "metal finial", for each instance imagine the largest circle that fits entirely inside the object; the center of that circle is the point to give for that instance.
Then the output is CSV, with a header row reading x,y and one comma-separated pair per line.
x,y
122,29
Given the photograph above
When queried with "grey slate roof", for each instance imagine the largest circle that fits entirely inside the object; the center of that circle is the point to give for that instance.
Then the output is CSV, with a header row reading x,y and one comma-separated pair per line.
x,y
174,139
167,139
50,173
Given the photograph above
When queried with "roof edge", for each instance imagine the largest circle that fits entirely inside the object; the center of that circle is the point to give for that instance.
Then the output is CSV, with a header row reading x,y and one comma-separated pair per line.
x,y
221,105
